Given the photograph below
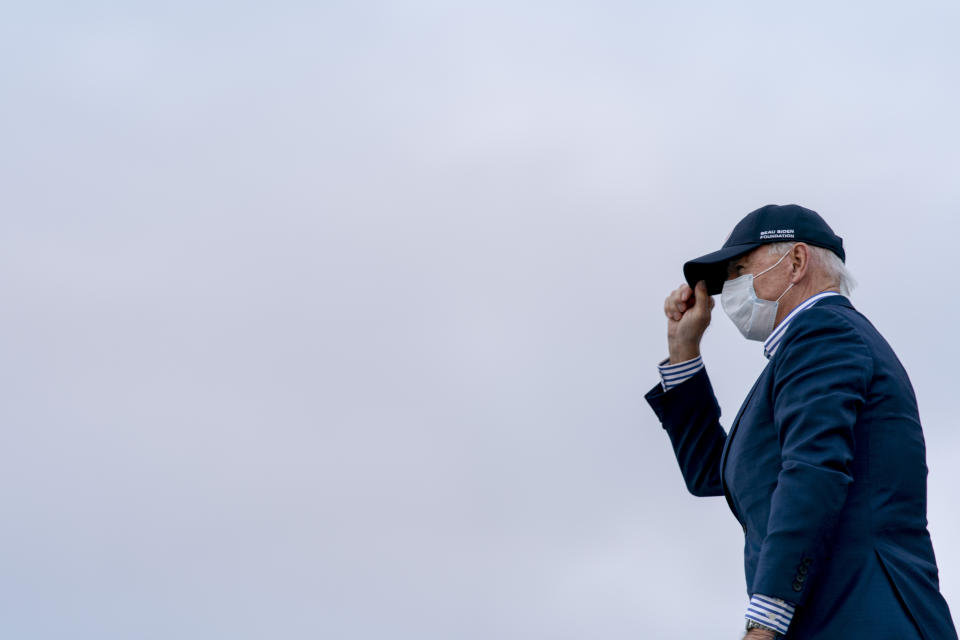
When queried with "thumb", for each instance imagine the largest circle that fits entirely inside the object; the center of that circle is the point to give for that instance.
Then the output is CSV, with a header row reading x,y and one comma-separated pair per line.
x,y
702,302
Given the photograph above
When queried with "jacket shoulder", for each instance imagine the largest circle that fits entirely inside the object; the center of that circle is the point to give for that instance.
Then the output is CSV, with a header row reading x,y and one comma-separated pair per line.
x,y
840,321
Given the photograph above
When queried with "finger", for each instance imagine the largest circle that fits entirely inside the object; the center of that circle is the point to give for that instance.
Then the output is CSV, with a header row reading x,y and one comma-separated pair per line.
x,y
683,298
669,308
702,296
670,304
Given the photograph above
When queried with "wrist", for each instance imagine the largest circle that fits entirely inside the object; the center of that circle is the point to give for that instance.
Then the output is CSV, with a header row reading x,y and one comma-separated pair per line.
x,y
759,632
682,352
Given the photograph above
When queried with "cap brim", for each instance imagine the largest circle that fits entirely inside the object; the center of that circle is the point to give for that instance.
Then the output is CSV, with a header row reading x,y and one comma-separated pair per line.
x,y
713,267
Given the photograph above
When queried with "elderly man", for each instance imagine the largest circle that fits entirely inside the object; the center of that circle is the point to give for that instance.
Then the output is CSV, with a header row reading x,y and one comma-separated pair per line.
x,y
824,466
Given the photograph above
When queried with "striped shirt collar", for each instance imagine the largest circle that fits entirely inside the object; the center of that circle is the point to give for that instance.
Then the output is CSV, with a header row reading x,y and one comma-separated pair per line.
x,y
772,343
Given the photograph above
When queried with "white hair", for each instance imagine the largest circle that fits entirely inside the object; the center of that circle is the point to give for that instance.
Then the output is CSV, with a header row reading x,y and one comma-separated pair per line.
x,y
830,262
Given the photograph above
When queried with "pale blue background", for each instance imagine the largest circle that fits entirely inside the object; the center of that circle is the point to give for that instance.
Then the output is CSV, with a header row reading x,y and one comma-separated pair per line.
x,y
333,320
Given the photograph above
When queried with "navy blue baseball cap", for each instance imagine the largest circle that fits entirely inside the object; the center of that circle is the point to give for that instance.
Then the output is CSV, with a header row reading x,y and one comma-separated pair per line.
x,y
766,225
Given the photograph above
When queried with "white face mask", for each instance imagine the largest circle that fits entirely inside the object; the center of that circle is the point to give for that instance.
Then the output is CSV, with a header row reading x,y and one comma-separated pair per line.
x,y
753,316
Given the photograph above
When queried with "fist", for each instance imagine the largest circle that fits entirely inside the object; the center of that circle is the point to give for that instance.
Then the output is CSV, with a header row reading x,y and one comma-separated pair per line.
x,y
688,316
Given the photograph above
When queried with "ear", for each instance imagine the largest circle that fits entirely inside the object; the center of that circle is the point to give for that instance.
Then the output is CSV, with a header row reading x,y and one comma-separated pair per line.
x,y
799,262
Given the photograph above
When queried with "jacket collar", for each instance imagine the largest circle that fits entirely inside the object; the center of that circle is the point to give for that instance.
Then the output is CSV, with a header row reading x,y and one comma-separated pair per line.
x,y
772,343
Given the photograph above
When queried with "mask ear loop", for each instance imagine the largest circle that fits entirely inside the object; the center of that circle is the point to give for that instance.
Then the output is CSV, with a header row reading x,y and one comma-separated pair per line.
x,y
785,292
774,264
771,267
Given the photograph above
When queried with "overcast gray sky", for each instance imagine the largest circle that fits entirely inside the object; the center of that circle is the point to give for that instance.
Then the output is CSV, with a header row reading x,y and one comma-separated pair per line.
x,y
334,320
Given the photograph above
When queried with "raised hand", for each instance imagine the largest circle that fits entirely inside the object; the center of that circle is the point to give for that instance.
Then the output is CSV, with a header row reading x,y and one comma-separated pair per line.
x,y
688,316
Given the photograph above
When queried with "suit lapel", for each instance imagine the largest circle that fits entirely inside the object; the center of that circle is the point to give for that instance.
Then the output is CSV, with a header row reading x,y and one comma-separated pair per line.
x,y
840,300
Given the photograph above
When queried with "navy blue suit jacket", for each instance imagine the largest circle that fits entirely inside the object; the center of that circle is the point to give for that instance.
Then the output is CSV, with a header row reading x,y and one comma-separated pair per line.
x,y
825,468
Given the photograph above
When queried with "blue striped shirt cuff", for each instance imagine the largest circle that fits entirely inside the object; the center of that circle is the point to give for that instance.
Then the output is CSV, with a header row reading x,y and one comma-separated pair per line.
x,y
770,612
673,374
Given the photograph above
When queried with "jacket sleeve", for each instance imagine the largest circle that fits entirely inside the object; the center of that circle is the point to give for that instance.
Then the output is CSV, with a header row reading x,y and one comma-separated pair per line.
x,y
821,376
691,416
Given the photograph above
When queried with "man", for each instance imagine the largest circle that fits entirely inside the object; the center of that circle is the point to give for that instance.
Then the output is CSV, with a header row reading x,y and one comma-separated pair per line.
x,y
825,464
